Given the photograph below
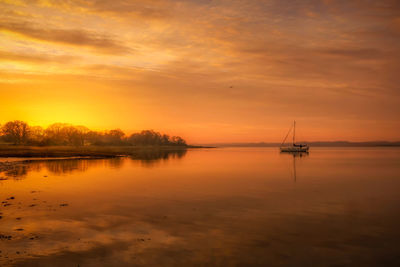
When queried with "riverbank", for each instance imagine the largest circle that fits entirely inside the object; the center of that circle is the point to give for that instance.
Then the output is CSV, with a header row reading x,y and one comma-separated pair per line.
x,y
84,151
14,157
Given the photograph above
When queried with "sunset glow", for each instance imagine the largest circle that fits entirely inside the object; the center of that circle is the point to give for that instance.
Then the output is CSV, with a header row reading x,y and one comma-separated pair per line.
x,y
209,71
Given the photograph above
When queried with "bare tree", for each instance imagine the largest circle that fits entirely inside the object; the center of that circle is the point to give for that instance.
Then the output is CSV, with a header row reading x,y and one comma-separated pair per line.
x,y
16,131
35,135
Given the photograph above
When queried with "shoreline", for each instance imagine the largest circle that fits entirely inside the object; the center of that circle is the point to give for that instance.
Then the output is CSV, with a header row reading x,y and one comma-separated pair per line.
x,y
14,156
10,151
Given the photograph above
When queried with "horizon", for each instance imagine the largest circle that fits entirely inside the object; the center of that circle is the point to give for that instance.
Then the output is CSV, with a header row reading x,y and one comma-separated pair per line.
x,y
306,141
209,71
128,133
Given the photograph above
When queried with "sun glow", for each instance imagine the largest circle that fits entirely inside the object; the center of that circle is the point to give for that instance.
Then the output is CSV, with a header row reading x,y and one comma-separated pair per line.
x,y
207,71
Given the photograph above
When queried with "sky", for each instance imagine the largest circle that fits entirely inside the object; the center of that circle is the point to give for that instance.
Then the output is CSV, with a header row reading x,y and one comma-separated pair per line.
x,y
207,70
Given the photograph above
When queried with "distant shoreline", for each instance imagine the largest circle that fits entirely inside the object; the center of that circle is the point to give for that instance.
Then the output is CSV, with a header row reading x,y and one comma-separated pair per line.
x,y
313,144
13,151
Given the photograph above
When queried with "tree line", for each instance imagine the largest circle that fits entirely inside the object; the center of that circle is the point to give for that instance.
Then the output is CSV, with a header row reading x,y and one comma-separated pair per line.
x,y
20,133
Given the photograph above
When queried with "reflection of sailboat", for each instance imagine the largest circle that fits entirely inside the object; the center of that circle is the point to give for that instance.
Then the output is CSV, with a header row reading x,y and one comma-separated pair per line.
x,y
296,155
293,147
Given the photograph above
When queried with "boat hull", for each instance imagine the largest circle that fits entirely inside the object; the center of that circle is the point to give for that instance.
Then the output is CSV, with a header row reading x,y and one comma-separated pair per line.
x,y
294,149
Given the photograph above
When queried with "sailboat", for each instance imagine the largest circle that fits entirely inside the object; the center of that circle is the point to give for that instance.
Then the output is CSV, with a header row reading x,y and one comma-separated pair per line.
x,y
293,147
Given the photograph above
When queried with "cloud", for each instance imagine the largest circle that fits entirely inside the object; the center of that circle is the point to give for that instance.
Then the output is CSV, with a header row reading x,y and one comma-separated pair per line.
x,y
223,60
35,58
150,9
75,37
360,53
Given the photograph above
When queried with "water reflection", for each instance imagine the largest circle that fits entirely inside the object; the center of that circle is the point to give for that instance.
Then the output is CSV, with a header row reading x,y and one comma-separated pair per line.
x,y
295,155
148,158
16,171
221,207
20,170
152,158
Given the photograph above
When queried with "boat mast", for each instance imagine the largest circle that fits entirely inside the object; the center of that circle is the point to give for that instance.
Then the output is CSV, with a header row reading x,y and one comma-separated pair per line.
x,y
294,132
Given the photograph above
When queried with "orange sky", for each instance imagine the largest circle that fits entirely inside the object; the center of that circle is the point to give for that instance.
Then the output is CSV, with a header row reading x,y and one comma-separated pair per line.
x,y
208,70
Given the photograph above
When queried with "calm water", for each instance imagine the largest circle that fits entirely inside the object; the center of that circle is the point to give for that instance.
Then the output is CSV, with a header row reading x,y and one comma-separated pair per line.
x,y
219,207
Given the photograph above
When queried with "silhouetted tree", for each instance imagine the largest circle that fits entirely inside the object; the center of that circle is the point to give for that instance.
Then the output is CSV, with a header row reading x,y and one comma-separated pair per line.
x,y
35,135
81,134
15,132
150,137
94,138
114,137
19,132
178,141
55,135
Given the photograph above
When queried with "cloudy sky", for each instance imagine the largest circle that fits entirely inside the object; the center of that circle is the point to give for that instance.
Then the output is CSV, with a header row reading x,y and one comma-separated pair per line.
x,y
208,70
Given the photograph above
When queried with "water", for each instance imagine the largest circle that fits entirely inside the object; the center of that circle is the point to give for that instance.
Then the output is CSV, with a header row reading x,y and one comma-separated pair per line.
x,y
219,207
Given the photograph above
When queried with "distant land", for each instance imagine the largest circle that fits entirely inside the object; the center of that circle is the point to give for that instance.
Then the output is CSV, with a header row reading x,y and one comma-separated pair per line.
x,y
312,144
